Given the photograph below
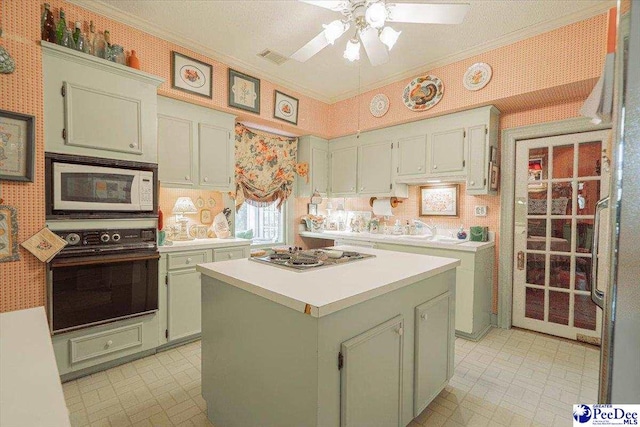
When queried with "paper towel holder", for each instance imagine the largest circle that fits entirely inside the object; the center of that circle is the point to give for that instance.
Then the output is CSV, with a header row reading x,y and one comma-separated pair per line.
x,y
393,201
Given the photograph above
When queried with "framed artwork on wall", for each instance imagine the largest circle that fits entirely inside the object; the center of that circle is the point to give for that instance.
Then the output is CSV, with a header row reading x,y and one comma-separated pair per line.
x,y
285,107
17,146
494,175
8,234
205,216
439,200
244,92
191,76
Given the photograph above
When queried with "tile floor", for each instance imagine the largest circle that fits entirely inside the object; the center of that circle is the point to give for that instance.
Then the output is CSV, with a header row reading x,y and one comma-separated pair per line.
x,y
509,378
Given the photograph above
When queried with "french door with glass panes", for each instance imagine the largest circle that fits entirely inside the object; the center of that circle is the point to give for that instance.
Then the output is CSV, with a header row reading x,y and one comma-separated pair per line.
x,y
559,180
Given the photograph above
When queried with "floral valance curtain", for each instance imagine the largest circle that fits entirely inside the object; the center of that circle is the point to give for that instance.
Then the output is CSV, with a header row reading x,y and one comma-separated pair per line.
x,y
265,167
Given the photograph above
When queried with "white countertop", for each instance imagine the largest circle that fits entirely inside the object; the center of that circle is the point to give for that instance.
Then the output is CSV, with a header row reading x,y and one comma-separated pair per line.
x,y
399,240
327,290
30,389
185,245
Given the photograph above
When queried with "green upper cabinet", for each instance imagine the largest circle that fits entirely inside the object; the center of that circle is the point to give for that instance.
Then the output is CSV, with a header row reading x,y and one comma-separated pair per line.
x,y
315,152
343,167
447,152
374,168
412,155
97,108
195,146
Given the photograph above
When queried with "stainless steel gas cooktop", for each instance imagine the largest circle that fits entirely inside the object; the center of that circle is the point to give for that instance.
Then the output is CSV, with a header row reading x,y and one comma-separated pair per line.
x,y
299,260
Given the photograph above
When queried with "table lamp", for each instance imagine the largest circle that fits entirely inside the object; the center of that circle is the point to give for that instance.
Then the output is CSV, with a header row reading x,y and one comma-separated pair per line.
x,y
184,205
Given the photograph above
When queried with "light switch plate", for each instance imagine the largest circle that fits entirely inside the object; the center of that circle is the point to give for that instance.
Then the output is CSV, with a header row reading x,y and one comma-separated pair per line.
x,y
481,211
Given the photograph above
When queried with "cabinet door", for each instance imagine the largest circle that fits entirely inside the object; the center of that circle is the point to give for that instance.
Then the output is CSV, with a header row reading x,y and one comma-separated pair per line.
x,y
319,170
175,150
344,166
102,120
433,332
184,303
412,155
371,377
216,156
447,152
476,170
374,168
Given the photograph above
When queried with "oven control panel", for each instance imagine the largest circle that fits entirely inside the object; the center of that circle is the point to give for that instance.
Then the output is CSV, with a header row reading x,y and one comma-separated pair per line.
x,y
108,237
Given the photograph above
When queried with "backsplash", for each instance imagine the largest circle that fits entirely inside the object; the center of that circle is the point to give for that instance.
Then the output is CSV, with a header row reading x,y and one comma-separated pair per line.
x,y
203,199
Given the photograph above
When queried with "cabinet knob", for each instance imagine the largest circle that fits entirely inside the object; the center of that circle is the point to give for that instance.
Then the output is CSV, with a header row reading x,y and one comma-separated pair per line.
x,y
206,179
419,168
351,188
187,178
423,316
188,261
109,344
133,145
361,188
472,183
435,166
230,256
400,331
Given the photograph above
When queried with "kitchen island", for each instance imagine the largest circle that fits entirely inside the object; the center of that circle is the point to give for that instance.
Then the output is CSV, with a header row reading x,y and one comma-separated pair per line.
x,y
365,343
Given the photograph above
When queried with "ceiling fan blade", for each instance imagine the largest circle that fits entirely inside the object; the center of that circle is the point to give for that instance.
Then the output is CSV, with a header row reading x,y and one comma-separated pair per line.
x,y
376,50
423,13
316,44
336,5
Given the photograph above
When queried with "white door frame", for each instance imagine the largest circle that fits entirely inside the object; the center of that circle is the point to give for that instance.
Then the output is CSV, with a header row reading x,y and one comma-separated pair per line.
x,y
507,197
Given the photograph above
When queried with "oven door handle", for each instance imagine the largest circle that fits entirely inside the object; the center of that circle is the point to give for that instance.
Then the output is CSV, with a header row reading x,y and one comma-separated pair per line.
x,y
102,259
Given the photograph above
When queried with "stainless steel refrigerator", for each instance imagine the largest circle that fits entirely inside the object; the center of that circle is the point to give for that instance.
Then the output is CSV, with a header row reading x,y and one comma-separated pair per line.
x,y
620,296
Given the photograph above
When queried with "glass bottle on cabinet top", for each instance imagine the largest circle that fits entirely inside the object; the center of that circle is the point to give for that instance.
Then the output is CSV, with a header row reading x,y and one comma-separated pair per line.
x,y
60,29
67,39
91,39
100,47
78,38
48,26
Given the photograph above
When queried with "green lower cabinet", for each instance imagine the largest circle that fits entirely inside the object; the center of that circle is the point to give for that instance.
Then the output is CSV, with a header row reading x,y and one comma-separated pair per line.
x,y
371,377
184,308
433,367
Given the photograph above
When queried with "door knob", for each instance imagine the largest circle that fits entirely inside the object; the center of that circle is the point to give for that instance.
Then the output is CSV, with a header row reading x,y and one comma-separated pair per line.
x,y
520,260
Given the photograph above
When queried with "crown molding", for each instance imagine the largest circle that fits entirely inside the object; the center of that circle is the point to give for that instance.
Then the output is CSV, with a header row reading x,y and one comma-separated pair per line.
x,y
104,9
111,12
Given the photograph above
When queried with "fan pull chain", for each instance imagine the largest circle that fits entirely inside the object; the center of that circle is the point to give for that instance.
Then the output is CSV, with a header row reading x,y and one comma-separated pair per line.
x,y
359,100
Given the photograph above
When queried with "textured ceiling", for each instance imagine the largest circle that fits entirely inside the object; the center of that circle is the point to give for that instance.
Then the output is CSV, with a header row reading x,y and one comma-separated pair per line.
x,y
234,32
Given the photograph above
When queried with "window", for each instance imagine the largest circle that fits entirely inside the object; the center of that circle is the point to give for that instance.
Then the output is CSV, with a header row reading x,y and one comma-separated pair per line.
x,y
264,225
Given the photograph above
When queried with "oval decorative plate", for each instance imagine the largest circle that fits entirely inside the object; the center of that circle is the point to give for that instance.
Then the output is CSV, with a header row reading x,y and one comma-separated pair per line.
x,y
423,93
379,105
477,76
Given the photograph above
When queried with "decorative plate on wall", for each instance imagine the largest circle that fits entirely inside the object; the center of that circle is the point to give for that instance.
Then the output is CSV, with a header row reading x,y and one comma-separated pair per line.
x,y
423,93
379,105
477,76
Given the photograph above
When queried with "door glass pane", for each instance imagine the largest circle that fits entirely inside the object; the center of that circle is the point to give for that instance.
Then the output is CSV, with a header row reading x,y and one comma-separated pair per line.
x,y
560,271
534,304
583,273
538,168
535,269
537,232
561,198
584,235
562,161
584,312
559,307
537,199
561,235
588,196
589,159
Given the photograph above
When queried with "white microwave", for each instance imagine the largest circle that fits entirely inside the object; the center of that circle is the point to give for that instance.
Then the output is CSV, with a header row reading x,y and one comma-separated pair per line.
x,y
87,188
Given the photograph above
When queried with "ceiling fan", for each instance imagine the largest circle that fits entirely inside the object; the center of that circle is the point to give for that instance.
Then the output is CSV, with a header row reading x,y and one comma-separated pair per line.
x,y
369,18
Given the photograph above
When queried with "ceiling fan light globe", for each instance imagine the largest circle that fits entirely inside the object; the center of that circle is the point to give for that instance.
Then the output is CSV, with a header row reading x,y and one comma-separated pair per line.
x,y
334,30
376,14
389,37
352,51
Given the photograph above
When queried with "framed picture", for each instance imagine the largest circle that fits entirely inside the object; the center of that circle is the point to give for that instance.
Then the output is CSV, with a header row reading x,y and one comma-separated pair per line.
x,y
17,146
244,92
537,174
8,234
205,216
494,175
190,75
312,209
494,154
439,200
285,107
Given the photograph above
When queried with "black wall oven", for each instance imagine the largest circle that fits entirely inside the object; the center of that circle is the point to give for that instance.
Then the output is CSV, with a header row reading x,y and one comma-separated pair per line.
x,y
102,276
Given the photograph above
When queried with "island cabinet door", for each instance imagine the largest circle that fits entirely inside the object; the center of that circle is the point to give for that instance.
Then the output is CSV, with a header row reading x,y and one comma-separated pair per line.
x,y
433,332
183,295
371,377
